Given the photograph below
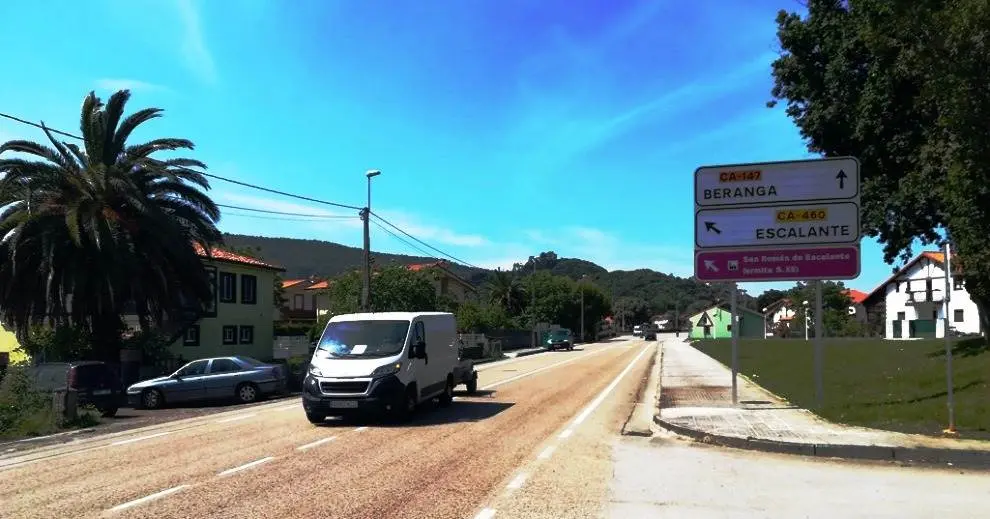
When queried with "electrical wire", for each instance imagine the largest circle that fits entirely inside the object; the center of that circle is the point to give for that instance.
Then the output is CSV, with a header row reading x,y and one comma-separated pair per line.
x,y
427,245
282,219
268,211
425,253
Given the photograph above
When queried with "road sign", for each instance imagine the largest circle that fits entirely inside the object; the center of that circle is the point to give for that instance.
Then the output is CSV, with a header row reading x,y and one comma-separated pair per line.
x,y
774,226
778,221
777,182
778,264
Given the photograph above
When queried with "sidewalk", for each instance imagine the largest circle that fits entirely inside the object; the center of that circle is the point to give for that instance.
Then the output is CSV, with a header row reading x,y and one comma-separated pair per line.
x,y
696,401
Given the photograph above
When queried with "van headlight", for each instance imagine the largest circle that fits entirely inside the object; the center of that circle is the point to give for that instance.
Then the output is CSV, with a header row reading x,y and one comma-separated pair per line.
x,y
386,370
315,371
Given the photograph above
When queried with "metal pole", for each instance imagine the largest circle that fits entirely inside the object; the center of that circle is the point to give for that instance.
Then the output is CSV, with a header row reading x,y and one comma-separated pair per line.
x,y
532,304
582,314
819,353
366,284
735,345
677,319
950,393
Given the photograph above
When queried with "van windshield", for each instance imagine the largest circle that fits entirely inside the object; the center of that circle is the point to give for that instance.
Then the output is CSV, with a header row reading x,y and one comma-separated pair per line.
x,y
362,339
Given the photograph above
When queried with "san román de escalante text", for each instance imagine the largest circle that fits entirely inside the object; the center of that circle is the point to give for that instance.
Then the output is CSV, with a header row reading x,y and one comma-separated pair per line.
x,y
797,258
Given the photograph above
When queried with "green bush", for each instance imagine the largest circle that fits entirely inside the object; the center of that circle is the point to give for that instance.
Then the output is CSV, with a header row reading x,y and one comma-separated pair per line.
x,y
24,411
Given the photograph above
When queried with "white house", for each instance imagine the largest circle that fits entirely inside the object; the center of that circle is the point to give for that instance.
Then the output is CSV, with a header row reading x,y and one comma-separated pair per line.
x,y
913,300
780,311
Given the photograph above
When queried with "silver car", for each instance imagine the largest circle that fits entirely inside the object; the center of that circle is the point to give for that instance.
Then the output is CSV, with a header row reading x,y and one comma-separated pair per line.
x,y
240,377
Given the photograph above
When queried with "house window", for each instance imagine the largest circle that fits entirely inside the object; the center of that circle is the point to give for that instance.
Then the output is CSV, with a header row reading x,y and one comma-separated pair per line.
x,y
298,302
897,287
228,289
900,316
249,289
246,335
191,337
958,283
934,315
210,310
958,316
230,334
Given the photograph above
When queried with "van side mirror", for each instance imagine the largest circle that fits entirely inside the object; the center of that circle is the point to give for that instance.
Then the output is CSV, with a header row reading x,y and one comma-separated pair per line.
x,y
419,350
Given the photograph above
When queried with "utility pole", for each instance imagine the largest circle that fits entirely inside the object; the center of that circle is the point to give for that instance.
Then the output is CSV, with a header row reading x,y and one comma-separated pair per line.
x,y
532,304
366,219
581,284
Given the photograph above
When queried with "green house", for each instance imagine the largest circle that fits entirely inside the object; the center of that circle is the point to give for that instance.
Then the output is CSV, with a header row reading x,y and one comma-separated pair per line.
x,y
716,323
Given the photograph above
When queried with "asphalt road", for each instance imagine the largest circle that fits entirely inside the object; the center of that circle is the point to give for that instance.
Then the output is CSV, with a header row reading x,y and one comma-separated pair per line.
x,y
534,443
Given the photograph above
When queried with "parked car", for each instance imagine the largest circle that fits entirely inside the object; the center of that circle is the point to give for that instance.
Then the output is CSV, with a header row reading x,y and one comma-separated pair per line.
x,y
243,378
95,383
559,339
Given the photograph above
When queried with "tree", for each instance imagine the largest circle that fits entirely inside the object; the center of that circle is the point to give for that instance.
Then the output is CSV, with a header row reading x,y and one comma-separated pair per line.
x,y
633,310
769,297
901,86
505,290
108,224
837,321
393,289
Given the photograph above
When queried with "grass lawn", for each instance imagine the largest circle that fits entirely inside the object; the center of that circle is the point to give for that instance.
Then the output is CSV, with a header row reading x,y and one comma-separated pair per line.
x,y
894,385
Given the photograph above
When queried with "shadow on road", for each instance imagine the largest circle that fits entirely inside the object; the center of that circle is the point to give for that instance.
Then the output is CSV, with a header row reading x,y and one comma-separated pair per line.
x,y
478,393
429,414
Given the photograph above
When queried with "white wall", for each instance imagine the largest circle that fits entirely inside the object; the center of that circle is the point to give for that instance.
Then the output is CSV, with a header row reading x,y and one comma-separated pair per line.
x,y
896,300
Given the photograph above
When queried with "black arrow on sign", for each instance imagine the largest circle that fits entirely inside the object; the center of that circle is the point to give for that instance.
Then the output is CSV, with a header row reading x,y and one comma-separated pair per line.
x,y
710,226
841,177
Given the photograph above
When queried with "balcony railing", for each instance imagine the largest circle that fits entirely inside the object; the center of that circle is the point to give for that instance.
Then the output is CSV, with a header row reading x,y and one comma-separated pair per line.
x,y
925,296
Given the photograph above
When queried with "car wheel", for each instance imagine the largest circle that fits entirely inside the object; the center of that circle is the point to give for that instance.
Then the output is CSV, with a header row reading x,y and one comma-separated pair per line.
x,y
472,385
406,406
447,397
152,399
316,418
247,393
108,412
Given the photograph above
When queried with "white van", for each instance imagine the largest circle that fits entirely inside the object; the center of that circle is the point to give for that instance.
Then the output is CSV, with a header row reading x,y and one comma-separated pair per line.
x,y
381,362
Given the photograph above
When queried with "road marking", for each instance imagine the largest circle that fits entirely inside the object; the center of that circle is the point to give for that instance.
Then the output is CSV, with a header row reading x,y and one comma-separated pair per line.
x,y
546,453
236,418
246,466
287,408
141,438
359,429
486,513
583,415
152,497
518,481
544,368
316,443
566,434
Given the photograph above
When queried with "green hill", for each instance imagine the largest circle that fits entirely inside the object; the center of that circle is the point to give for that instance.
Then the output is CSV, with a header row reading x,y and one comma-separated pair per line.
x,y
643,292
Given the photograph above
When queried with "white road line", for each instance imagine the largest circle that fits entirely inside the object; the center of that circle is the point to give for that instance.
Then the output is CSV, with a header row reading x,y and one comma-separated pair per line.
x,y
566,434
141,438
359,429
605,392
236,418
518,481
316,443
486,513
546,453
152,497
246,466
544,368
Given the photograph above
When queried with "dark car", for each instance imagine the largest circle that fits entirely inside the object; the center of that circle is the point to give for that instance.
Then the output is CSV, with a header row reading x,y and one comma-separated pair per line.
x,y
95,383
560,339
217,378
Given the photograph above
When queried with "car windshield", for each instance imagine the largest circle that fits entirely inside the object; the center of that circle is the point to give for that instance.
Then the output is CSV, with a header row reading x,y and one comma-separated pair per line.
x,y
559,334
349,339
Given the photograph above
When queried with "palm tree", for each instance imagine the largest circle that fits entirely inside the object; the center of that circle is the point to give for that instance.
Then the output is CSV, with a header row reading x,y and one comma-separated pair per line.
x,y
106,225
505,291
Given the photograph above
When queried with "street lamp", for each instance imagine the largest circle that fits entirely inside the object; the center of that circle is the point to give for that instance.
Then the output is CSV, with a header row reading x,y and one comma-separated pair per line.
x,y
366,218
807,319
581,284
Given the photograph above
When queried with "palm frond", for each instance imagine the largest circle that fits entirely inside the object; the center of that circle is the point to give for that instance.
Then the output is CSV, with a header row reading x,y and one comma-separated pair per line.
x,y
131,123
114,111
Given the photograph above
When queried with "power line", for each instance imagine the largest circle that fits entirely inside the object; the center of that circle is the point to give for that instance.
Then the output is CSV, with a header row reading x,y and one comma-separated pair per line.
x,y
267,211
403,240
205,174
427,245
268,190
281,219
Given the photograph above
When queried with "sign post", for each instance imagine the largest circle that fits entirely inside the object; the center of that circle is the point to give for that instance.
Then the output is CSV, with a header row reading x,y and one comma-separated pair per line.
x,y
734,319
950,393
778,221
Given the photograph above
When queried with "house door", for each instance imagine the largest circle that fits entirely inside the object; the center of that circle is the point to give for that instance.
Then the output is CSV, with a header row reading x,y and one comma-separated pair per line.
x,y
708,331
921,328
896,325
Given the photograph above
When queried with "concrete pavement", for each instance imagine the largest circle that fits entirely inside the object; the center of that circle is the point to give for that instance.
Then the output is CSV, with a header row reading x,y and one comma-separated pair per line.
x,y
269,461
695,401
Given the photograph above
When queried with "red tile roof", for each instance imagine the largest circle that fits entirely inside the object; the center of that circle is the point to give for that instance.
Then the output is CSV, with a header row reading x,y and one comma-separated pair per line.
x,y
289,283
217,254
319,285
420,266
856,296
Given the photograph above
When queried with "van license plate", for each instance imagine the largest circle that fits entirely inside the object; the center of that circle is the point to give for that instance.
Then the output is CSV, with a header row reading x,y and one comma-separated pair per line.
x,y
101,392
343,404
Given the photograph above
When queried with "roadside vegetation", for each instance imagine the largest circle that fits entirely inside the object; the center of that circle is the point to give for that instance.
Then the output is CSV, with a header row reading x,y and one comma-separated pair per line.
x,y
25,412
893,385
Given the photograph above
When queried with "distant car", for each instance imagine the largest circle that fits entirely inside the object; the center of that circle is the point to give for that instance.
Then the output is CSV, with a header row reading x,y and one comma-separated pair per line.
x,y
239,377
637,331
95,383
560,339
650,335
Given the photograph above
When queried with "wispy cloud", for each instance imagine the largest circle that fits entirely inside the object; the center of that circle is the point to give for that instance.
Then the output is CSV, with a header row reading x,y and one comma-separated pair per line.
x,y
430,233
134,85
194,46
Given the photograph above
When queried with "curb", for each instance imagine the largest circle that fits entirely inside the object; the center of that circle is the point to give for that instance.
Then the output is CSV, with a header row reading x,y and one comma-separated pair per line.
x,y
921,455
638,423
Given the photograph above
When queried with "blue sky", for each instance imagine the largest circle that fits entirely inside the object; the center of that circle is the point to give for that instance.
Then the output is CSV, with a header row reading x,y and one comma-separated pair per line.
x,y
502,128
